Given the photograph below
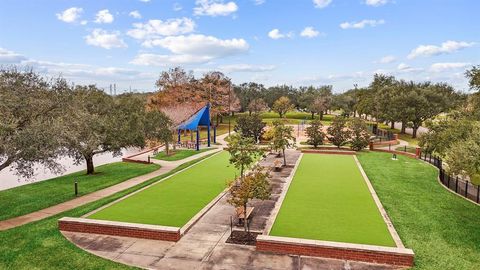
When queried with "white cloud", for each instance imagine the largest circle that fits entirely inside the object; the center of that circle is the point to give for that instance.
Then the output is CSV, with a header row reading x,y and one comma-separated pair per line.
x,y
104,16
309,32
376,3
70,15
177,7
446,47
321,3
246,68
190,49
9,57
214,8
361,24
157,28
105,39
259,2
404,68
276,34
440,67
387,59
135,14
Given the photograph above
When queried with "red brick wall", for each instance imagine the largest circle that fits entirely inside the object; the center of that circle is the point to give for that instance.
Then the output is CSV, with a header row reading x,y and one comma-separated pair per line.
x,y
396,152
397,259
75,226
135,161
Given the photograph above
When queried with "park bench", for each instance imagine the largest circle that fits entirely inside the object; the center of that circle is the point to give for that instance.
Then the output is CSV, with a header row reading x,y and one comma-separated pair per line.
x,y
241,215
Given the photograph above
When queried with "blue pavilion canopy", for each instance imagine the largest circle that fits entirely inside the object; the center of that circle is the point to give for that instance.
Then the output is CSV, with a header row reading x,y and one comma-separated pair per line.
x,y
200,118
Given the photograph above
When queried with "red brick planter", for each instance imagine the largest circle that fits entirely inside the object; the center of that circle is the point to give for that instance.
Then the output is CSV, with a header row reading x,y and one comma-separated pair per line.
x,y
343,251
154,232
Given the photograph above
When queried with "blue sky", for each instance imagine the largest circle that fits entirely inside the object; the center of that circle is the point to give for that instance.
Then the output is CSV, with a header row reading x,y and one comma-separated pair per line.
x,y
302,42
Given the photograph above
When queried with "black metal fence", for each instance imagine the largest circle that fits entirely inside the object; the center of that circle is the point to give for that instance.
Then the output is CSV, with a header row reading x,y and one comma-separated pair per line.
x,y
454,183
382,135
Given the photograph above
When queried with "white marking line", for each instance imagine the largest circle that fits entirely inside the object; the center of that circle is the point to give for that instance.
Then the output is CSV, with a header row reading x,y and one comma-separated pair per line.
x,y
279,203
148,186
387,220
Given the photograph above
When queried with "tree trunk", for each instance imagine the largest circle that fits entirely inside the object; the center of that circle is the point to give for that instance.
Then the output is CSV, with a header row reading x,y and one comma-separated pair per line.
x,y
167,148
313,115
414,133
392,125
404,127
90,167
245,225
249,112
284,157
321,115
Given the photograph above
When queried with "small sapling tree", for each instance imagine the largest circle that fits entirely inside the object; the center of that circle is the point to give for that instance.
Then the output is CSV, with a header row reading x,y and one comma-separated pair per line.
x,y
337,132
315,133
243,152
282,138
282,106
254,185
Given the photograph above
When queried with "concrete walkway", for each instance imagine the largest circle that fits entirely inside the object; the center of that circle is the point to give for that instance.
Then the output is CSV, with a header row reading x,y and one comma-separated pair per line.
x,y
166,166
205,247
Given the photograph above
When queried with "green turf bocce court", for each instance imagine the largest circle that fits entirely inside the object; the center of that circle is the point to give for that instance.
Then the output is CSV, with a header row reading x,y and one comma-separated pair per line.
x,y
329,200
174,201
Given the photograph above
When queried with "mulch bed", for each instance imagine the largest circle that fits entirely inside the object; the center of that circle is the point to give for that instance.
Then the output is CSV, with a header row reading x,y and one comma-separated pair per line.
x,y
243,238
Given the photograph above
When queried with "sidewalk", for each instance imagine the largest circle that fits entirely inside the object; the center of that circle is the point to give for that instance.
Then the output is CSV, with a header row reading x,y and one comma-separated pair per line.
x,y
166,166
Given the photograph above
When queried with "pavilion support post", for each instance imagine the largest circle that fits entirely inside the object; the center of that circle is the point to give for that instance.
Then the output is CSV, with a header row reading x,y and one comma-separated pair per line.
x,y
214,134
208,135
198,140
179,132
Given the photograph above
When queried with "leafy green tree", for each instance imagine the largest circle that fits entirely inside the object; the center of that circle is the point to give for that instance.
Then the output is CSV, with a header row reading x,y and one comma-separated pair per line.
x,y
247,93
250,126
473,76
159,128
359,135
463,158
254,185
30,126
338,133
315,133
243,152
98,123
282,138
282,106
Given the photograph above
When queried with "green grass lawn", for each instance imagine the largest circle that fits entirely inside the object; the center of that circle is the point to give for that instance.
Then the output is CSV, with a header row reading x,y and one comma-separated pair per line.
x,y
40,245
440,227
176,200
32,197
221,129
179,154
329,200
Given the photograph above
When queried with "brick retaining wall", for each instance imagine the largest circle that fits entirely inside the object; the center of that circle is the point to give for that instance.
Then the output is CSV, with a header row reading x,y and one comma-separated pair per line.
x,y
343,251
153,232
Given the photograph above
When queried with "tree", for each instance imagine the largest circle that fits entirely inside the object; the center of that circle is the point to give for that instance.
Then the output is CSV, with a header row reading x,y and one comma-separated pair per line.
x,y
359,136
254,185
257,105
315,133
473,76
338,134
282,106
247,93
30,127
282,138
98,123
159,128
463,158
250,126
243,152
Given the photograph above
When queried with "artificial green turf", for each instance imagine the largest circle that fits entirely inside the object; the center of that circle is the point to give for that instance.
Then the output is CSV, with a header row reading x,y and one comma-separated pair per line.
x,y
329,200
40,245
176,200
442,228
36,196
179,154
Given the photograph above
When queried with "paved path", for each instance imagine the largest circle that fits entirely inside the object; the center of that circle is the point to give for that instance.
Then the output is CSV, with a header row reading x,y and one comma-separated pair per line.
x,y
166,166
205,247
